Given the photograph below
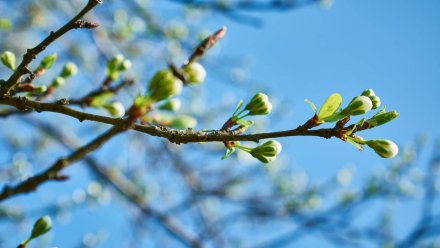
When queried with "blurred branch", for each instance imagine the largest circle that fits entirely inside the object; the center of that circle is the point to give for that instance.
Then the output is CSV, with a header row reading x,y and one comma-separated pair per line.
x,y
52,173
31,54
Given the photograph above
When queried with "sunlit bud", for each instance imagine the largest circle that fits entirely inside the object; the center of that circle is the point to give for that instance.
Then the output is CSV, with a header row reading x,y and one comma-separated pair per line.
x,y
58,82
259,105
125,65
382,118
368,92
164,85
376,101
171,105
183,122
48,61
359,105
40,89
115,109
8,59
194,73
41,226
115,62
69,70
384,148
267,152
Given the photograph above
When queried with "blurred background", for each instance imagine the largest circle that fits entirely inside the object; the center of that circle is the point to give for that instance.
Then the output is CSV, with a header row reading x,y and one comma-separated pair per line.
x,y
318,193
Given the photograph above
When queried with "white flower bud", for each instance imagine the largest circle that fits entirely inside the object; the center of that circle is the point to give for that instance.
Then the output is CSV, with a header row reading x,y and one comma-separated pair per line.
x,y
384,148
359,105
164,85
69,70
115,109
267,152
194,73
376,101
58,81
368,92
41,226
259,105
8,59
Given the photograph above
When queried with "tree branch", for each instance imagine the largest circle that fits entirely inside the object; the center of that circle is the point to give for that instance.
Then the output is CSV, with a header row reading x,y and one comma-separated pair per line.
x,y
52,173
31,54
175,136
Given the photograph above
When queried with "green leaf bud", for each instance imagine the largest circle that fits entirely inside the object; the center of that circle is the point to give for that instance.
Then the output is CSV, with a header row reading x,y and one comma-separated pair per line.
x,y
40,89
58,82
8,59
382,118
115,109
368,92
47,62
359,105
114,63
41,226
384,148
194,73
267,152
69,70
376,101
259,105
183,122
164,85
171,105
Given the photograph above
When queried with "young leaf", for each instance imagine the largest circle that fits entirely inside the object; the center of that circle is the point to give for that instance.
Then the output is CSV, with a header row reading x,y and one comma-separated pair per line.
x,y
351,142
245,123
229,151
311,105
240,103
330,106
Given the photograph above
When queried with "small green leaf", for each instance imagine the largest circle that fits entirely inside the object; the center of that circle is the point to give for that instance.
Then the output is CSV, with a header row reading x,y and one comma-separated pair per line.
x,y
330,106
245,123
334,117
353,143
229,152
311,105
240,103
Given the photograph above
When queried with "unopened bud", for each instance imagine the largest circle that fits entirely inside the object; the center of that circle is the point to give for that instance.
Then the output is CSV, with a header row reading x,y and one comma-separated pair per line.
x,y
382,118
259,105
183,122
194,73
41,226
171,105
47,62
368,92
164,85
384,148
267,152
8,59
58,82
69,70
376,101
115,109
125,65
359,105
40,89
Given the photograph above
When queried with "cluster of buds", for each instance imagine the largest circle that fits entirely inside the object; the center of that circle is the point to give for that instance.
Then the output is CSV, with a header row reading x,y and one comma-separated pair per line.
x,y
8,59
41,226
164,85
362,104
68,70
258,105
194,73
117,65
266,152
375,100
